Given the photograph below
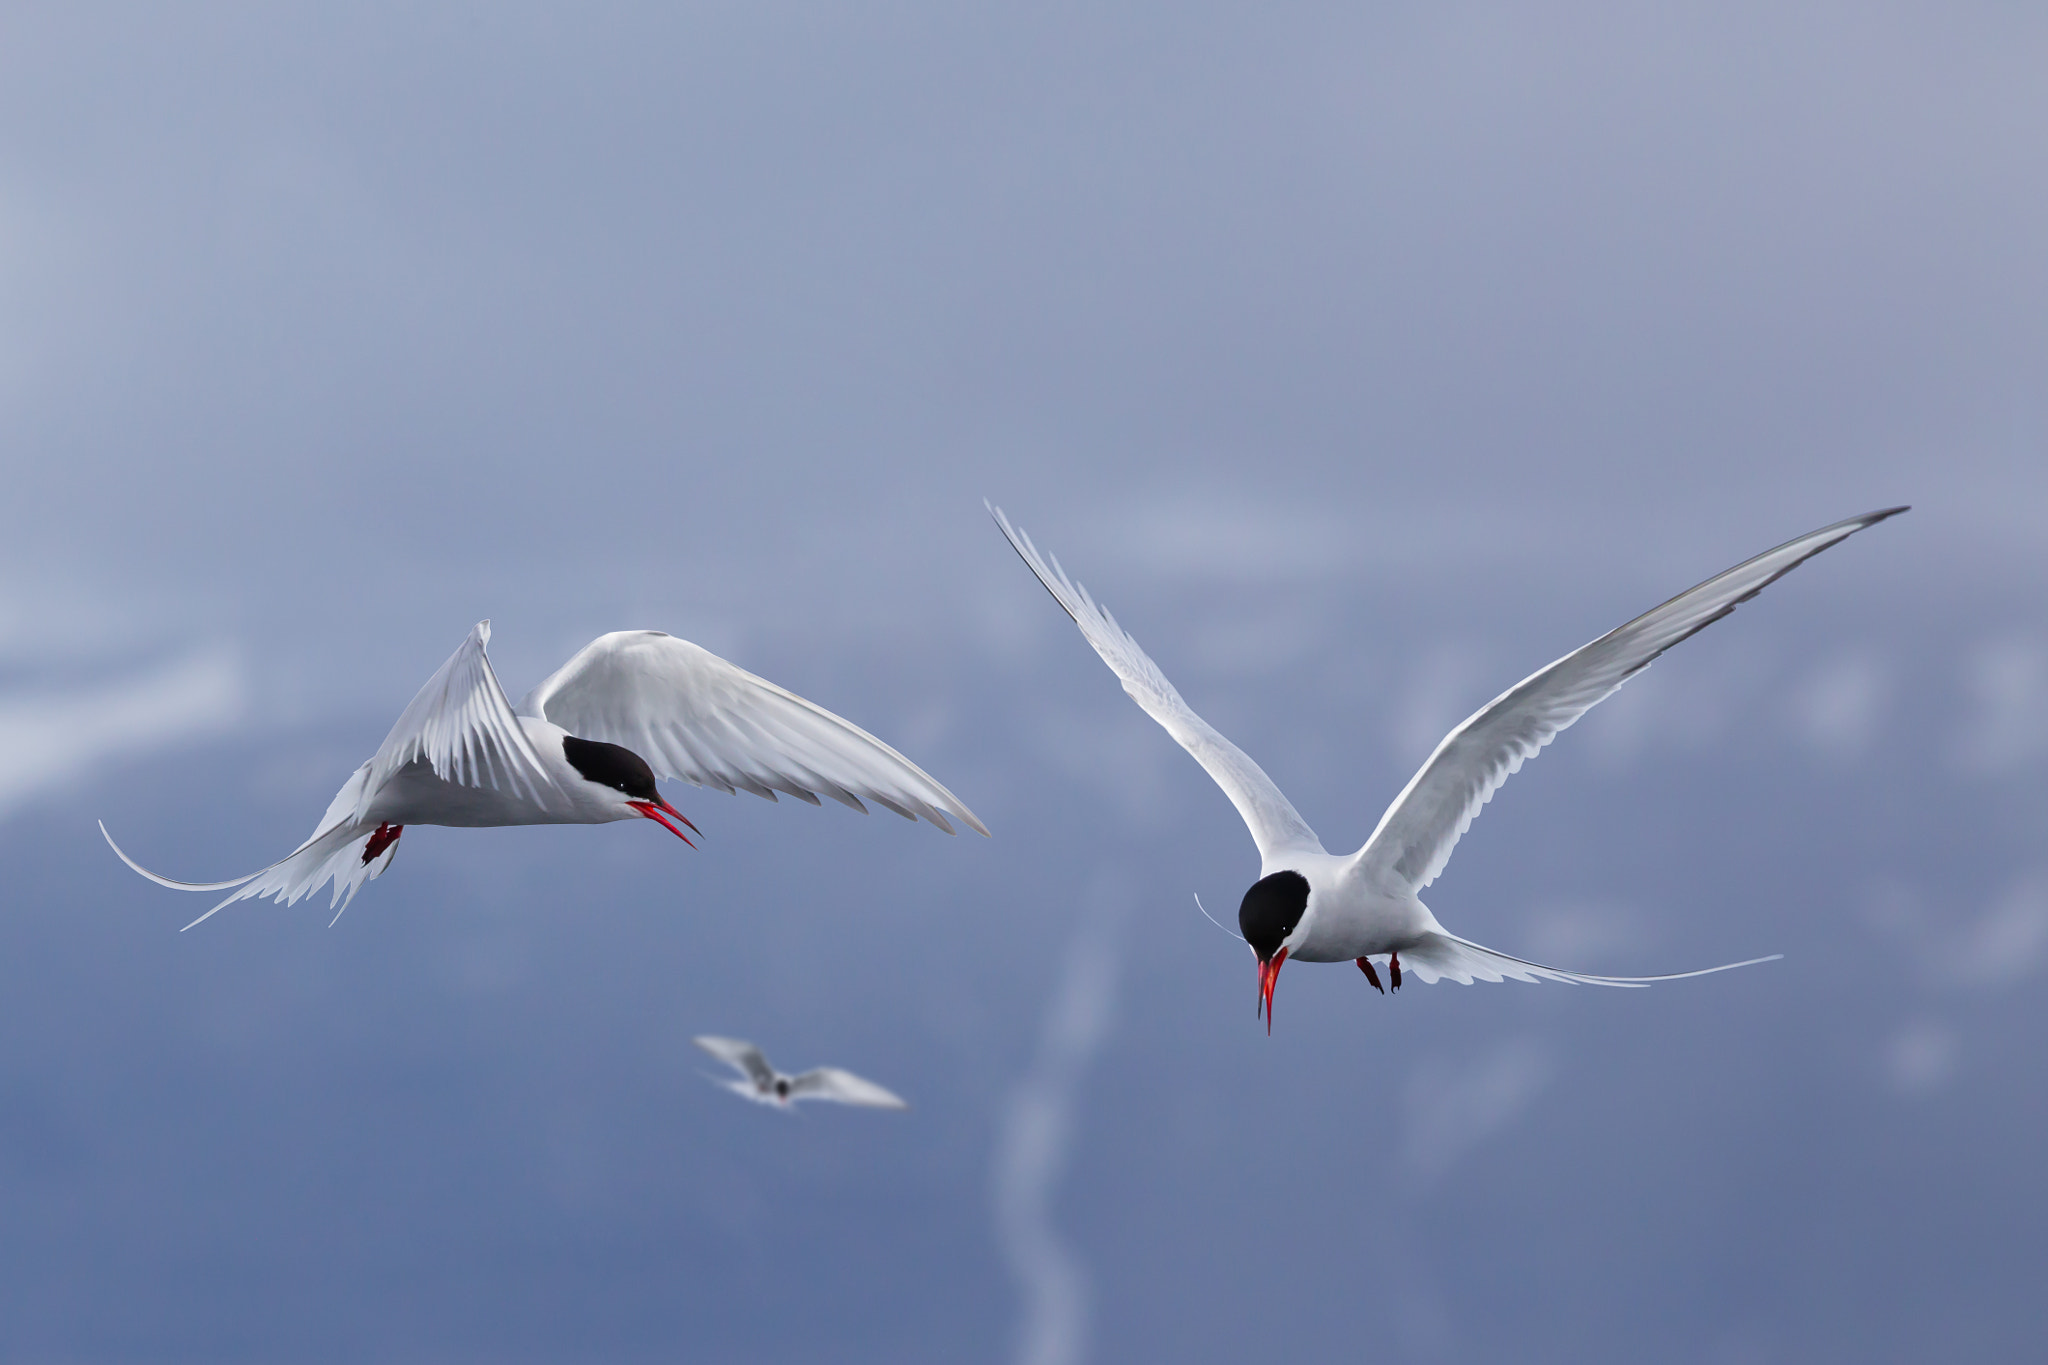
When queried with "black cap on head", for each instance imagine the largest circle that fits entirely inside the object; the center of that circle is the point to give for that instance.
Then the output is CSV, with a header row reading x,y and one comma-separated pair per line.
x,y
611,765
1270,911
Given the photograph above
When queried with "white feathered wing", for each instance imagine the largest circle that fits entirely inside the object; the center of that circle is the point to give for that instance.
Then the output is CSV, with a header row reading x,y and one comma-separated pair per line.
x,y
1275,825
1415,837
696,718
842,1087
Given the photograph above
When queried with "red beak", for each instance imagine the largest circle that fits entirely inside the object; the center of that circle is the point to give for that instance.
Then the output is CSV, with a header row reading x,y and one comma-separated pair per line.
x,y
1269,977
653,810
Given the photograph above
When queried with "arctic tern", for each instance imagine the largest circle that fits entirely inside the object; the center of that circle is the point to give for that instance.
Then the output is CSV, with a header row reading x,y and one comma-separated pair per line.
x,y
584,748
1309,905
763,1084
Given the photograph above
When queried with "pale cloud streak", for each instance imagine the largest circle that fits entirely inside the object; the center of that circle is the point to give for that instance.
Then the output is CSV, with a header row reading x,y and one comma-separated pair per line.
x,y
1036,1136
50,739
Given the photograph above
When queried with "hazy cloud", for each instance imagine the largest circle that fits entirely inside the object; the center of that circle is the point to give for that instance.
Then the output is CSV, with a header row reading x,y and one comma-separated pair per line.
x,y
1686,701
1268,640
48,739
1453,1107
1117,753
1242,539
1445,684
1921,1056
2007,942
1996,947
1839,707
2006,727
1586,935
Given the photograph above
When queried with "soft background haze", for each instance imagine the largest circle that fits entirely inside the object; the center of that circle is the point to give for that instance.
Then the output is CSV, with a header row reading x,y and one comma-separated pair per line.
x,y
1362,358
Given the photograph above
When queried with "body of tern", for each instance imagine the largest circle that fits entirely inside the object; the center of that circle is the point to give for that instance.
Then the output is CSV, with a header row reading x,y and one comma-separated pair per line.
x,y
585,748
763,1084
1310,905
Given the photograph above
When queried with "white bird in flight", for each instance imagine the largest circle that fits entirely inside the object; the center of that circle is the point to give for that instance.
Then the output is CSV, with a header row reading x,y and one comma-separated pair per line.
x,y
763,1084
1313,906
584,748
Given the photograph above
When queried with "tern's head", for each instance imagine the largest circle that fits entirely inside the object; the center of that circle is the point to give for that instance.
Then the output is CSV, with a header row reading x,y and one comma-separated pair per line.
x,y
1269,913
625,776
782,1088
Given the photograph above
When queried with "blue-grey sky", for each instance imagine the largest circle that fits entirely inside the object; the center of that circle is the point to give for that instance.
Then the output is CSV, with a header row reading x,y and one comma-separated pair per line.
x,y
1361,358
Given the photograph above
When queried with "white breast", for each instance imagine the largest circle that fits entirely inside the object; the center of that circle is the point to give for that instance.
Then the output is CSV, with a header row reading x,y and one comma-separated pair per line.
x,y
1347,916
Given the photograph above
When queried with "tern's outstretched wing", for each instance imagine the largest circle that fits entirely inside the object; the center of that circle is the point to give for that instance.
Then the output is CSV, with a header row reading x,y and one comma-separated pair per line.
x,y
334,853
1415,837
1274,823
747,1090
694,716
463,726
1446,956
739,1054
842,1087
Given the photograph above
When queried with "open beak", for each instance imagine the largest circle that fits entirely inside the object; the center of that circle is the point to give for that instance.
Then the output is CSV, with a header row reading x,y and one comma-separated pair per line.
x,y
653,810
1269,977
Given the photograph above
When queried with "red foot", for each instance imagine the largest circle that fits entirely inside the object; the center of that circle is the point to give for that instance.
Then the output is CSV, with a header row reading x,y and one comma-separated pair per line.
x,y
385,837
1394,966
1365,965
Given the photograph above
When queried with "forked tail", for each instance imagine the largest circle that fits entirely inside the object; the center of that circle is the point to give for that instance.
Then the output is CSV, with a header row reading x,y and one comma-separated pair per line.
x,y
336,854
